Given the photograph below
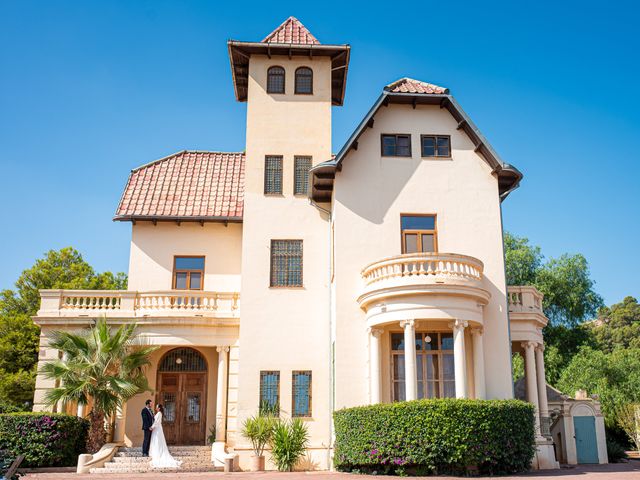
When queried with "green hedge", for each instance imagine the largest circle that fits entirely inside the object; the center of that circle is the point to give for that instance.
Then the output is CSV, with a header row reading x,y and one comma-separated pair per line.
x,y
425,437
45,439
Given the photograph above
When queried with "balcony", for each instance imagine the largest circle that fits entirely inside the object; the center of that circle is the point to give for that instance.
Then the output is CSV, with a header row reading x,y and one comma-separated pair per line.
x,y
524,299
125,304
431,285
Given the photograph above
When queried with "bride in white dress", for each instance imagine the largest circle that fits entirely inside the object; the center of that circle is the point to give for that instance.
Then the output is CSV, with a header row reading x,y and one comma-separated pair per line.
x,y
158,450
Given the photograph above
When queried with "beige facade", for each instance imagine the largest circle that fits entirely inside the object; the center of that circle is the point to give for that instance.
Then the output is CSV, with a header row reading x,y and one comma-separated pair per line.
x,y
371,319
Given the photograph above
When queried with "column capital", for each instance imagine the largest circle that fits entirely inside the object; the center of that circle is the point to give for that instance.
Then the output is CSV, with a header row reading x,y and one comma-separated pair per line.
x,y
458,324
528,345
407,323
224,348
479,331
375,332
540,347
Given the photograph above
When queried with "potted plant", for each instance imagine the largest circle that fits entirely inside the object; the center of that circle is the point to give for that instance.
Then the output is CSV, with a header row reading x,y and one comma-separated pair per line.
x,y
288,443
258,430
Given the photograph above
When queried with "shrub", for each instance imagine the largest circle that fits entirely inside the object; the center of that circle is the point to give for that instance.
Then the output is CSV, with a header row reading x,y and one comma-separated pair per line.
x,y
45,439
615,451
445,436
288,443
259,431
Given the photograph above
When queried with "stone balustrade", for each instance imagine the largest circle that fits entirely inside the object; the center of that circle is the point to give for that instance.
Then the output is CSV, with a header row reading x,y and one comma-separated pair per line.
x,y
430,267
125,303
524,299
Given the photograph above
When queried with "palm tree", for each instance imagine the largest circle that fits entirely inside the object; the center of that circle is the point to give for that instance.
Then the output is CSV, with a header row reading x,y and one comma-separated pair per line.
x,y
101,366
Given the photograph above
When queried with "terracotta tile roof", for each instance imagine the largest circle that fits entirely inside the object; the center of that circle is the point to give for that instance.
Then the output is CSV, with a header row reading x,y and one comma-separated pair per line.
x,y
409,85
291,31
186,185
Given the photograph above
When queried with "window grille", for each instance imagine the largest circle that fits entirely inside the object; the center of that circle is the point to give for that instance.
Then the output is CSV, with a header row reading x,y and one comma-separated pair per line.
x,y
304,81
273,175
301,394
302,165
269,391
286,263
183,360
275,80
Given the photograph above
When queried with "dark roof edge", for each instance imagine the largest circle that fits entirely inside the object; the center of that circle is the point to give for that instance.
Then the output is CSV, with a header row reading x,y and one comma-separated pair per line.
x,y
175,218
501,168
299,46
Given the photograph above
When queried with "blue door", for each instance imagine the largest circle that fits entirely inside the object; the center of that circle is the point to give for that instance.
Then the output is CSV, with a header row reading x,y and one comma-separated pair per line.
x,y
586,443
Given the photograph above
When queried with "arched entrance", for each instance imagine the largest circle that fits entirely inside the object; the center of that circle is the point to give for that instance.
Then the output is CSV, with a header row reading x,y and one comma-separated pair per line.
x,y
182,389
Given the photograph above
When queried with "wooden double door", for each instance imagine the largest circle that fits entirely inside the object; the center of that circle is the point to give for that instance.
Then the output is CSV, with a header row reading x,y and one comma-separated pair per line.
x,y
183,395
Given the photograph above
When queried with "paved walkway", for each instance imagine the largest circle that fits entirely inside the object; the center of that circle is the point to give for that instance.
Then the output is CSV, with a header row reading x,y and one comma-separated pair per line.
x,y
614,471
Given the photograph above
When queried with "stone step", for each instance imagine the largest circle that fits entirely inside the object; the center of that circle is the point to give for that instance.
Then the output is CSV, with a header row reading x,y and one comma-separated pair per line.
x,y
171,448
189,458
147,468
205,454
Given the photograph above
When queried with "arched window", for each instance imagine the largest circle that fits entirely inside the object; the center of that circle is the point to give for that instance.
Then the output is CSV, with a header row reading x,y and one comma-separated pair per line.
x,y
183,360
275,80
304,80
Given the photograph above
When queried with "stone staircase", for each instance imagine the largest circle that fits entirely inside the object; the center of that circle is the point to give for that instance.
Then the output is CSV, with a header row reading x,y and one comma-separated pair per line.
x,y
130,460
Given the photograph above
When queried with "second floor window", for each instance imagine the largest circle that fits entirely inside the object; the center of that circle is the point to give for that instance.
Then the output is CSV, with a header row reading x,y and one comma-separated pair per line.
x,y
304,81
301,166
273,174
286,263
436,145
419,233
188,273
396,145
275,80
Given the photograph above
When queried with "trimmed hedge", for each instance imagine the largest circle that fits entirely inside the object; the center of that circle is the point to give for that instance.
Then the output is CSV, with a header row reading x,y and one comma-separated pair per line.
x,y
435,437
45,439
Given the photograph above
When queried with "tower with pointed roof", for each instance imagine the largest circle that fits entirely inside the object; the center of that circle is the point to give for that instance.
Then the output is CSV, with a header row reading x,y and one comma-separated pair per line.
x,y
290,82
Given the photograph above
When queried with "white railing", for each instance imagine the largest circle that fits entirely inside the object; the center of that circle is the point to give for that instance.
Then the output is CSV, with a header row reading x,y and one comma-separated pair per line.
x,y
428,266
524,299
126,303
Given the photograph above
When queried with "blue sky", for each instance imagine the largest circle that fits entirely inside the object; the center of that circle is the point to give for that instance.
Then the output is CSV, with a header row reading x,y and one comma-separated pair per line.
x,y
89,90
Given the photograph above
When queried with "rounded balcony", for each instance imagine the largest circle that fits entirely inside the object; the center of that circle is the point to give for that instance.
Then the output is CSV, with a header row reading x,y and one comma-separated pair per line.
x,y
423,285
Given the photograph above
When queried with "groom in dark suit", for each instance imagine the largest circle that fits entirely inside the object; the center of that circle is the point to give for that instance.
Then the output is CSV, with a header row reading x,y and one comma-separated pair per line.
x,y
147,421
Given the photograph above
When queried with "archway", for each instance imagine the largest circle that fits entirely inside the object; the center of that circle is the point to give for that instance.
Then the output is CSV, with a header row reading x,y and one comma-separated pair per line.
x,y
182,389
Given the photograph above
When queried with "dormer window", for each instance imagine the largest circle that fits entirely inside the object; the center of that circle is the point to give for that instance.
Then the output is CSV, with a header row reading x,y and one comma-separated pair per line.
x,y
304,81
275,80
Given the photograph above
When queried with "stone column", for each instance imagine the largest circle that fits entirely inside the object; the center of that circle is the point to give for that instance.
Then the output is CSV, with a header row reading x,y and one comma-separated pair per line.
x,y
459,358
80,410
531,379
478,363
542,391
410,380
374,361
221,394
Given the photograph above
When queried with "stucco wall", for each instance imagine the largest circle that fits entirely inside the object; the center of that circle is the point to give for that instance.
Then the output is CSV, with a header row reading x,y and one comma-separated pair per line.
x,y
285,329
154,246
372,191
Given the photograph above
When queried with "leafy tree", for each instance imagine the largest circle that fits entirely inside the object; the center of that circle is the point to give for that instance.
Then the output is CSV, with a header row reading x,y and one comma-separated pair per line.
x,y
614,377
618,326
104,367
19,337
569,297
522,261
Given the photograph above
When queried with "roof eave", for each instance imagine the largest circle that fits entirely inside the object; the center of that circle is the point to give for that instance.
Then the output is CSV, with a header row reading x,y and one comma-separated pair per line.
x,y
482,147
246,49
176,218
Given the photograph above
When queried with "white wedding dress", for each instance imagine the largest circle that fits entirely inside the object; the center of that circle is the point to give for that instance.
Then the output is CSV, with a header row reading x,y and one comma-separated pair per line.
x,y
158,450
